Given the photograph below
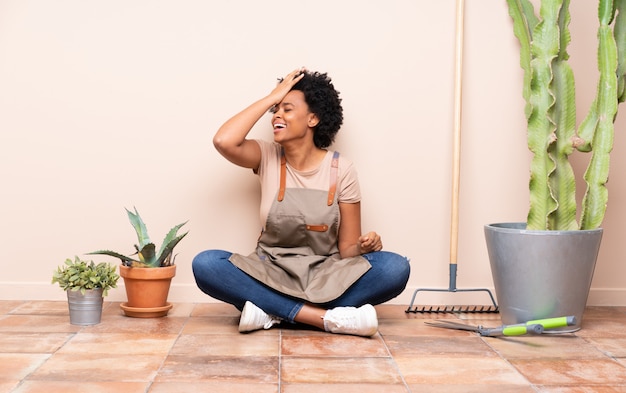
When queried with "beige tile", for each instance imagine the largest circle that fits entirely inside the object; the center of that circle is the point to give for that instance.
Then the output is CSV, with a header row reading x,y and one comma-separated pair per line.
x,y
458,370
16,342
213,387
417,327
123,324
112,309
119,344
81,387
301,331
392,311
226,345
613,347
181,310
214,325
464,388
343,388
37,324
436,346
333,345
595,312
486,319
6,306
8,386
603,327
215,310
42,308
339,370
248,369
19,365
565,346
583,389
565,372
98,368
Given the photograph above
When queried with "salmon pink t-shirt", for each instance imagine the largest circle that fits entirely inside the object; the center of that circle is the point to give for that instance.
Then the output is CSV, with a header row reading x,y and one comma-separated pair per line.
x,y
348,190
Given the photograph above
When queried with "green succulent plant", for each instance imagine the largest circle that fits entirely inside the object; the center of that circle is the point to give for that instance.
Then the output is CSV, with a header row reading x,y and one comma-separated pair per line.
x,y
80,275
146,254
550,95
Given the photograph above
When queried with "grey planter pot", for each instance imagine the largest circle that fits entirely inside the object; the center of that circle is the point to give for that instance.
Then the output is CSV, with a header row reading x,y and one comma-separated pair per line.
x,y
541,274
85,309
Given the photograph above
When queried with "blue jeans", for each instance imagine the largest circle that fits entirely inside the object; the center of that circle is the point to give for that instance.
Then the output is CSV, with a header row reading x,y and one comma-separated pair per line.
x,y
219,278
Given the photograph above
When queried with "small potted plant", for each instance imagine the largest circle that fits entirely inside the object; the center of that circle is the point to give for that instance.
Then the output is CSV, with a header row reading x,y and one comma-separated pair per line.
x,y
85,284
147,273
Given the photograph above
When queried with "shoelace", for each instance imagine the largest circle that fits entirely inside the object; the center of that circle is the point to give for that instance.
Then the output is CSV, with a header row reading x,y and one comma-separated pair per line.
x,y
345,321
271,322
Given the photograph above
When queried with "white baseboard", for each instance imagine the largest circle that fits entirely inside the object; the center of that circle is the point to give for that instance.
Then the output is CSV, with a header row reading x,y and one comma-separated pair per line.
x,y
189,293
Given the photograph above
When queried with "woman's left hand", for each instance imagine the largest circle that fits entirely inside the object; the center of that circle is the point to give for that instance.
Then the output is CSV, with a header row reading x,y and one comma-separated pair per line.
x,y
369,242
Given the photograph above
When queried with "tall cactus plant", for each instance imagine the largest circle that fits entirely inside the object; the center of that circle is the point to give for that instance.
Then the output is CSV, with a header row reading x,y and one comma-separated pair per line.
x,y
551,111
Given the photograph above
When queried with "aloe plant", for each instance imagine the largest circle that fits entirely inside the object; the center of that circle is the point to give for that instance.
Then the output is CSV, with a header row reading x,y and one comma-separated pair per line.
x,y
549,91
146,255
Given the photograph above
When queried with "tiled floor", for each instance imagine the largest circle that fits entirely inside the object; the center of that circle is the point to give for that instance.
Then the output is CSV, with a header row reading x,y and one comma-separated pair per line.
x,y
197,348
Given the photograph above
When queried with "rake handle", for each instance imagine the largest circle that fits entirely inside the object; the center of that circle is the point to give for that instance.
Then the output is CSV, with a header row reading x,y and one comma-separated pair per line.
x,y
456,164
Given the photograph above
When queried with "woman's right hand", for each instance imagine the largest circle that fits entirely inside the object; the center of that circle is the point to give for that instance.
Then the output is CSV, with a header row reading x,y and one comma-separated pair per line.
x,y
230,139
285,84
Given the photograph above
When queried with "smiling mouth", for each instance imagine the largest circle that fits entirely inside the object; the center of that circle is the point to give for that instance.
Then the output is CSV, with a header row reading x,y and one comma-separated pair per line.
x,y
279,126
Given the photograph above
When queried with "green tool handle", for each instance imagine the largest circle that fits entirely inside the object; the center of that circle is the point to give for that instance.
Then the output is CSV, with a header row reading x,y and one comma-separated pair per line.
x,y
551,323
518,330
531,327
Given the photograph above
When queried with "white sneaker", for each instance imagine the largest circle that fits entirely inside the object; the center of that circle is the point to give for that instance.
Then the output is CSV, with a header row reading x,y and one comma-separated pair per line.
x,y
253,318
361,321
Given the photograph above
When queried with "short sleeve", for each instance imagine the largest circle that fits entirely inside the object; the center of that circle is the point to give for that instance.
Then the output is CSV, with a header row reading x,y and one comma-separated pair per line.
x,y
349,188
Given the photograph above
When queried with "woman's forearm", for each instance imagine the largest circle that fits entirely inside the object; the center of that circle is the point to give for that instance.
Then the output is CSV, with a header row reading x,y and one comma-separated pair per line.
x,y
233,133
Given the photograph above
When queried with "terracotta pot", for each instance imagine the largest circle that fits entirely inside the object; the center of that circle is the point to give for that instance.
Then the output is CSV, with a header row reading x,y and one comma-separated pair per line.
x,y
147,290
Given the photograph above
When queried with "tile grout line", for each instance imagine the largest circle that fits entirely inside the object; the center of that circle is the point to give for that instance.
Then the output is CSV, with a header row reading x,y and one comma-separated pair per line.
x,y
180,333
393,361
280,360
71,336
530,384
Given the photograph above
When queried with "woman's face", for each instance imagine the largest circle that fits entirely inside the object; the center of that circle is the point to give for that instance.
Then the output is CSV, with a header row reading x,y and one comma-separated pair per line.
x,y
292,120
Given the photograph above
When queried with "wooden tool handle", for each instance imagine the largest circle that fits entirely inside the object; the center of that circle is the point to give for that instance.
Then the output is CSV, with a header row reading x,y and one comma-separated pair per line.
x,y
456,164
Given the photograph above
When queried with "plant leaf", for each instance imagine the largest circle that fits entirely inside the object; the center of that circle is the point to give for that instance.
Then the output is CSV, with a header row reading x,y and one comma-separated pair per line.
x,y
124,258
147,255
167,250
140,228
171,235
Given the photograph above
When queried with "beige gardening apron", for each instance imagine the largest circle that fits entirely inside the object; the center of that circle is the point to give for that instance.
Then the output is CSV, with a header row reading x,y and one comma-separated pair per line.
x,y
297,252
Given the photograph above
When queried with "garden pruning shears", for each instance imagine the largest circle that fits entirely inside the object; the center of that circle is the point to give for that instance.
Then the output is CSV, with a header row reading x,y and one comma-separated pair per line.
x,y
531,327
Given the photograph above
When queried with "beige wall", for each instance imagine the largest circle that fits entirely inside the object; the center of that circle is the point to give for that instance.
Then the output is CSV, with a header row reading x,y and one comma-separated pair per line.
x,y
113,104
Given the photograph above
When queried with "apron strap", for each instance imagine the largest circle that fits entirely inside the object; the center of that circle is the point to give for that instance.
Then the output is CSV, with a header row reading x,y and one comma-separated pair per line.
x,y
334,164
283,176
332,188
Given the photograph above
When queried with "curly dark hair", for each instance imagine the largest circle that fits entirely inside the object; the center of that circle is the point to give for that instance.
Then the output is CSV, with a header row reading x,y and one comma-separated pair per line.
x,y
323,100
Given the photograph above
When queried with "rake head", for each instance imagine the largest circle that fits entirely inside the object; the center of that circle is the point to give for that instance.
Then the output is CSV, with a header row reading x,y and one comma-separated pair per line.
x,y
453,309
